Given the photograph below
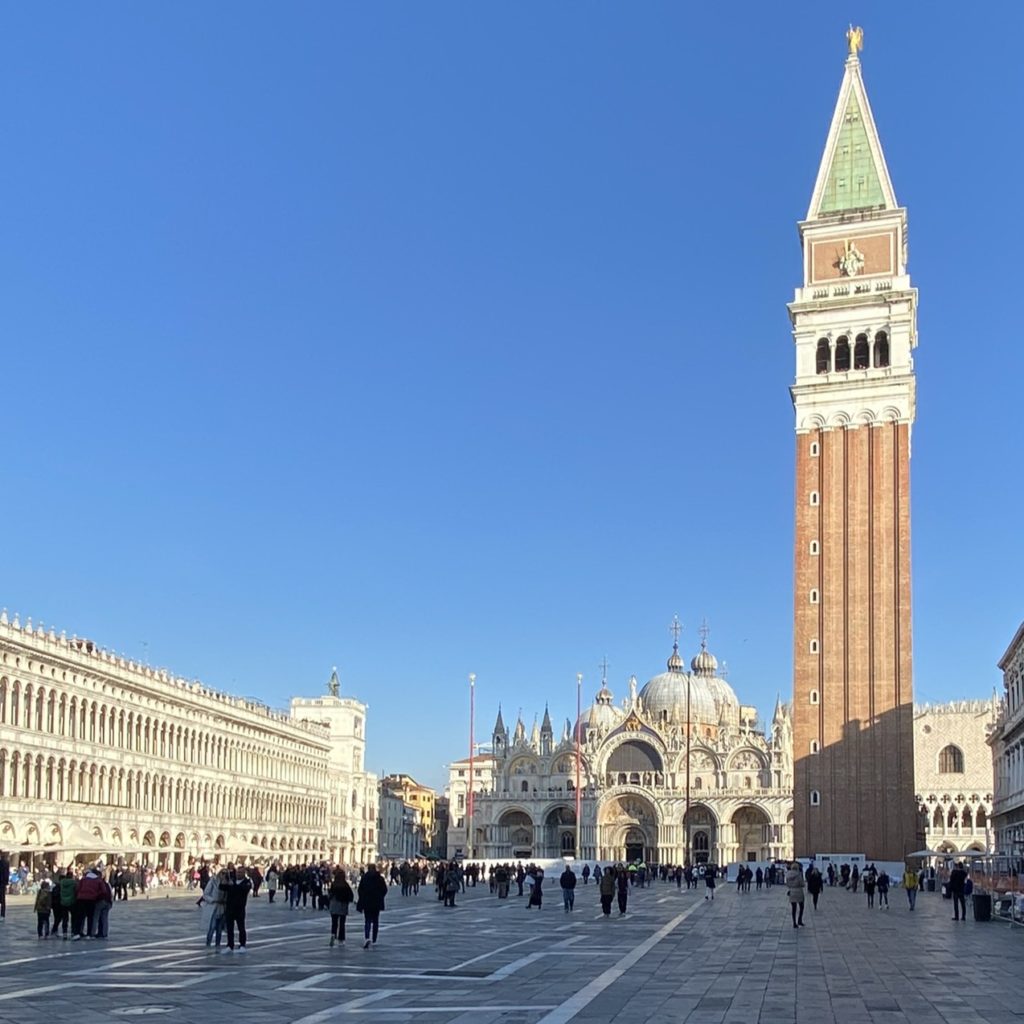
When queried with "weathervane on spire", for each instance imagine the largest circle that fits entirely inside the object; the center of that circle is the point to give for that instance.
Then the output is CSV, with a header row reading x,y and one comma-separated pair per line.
x,y
604,669
855,39
705,629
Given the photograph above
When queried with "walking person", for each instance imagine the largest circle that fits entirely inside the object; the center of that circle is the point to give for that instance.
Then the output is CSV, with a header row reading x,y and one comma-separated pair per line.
x,y
957,882
568,884
795,892
236,897
372,892
910,883
536,890
606,890
870,878
42,907
883,889
213,898
586,873
815,883
340,898
622,884
709,882
273,878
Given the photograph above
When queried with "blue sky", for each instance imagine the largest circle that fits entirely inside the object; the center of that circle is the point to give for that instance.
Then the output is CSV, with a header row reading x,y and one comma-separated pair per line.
x,y
428,339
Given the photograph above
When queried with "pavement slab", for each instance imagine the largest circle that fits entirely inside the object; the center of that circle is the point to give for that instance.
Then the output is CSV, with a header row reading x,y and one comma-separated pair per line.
x,y
675,957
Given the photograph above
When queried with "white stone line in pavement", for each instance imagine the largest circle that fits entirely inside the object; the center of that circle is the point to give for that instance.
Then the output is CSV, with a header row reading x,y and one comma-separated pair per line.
x,y
576,1002
21,993
349,1007
452,1009
493,952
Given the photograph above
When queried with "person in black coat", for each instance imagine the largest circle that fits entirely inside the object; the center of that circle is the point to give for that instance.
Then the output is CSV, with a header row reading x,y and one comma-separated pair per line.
x,y
236,897
372,892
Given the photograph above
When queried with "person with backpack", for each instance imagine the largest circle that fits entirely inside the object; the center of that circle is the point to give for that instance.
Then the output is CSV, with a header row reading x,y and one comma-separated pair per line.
x,y
373,890
340,897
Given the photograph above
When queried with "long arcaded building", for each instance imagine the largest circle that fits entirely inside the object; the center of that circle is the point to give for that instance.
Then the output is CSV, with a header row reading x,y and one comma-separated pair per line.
x,y
102,755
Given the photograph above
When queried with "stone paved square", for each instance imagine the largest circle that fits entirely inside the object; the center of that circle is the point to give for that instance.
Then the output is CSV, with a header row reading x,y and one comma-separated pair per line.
x,y
674,957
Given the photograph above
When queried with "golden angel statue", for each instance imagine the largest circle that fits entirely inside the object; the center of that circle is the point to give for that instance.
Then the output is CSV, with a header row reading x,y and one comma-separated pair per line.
x,y
855,37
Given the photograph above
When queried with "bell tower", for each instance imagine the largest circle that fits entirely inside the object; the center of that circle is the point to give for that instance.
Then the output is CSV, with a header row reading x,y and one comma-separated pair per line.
x,y
854,327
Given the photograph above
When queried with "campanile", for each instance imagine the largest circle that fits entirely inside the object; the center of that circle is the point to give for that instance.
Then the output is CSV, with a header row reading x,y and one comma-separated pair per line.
x,y
855,328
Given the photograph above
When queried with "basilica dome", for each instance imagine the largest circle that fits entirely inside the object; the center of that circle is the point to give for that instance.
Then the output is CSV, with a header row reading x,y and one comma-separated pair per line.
x,y
664,697
603,714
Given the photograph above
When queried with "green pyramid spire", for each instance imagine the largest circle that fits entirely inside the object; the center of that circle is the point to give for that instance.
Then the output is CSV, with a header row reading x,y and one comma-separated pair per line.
x,y
853,181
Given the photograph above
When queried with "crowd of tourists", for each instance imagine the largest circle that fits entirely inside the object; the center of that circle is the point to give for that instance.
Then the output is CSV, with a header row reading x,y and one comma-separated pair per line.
x,y
75,903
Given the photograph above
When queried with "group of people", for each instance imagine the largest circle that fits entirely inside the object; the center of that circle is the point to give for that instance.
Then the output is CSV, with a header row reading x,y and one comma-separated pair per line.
x,y
226,892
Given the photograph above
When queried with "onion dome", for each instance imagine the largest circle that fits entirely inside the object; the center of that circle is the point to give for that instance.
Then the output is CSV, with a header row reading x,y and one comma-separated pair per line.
x,y
603,714
665,697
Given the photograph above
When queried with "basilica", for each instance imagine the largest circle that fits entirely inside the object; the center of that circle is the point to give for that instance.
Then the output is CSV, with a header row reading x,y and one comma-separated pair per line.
x,y
678,771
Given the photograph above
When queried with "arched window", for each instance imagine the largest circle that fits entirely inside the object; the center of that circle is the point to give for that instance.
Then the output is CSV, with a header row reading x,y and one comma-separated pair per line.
x,y
814,746
861,353
937,818
815,798
981,820
881,349
967,819
951,760
814,696
842,354
823,358
524,786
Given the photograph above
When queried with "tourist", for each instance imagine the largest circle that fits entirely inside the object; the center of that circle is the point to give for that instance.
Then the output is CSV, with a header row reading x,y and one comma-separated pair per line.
x,y
568,884
5,881
795,892
452,884
520,878
213,897
372,892
236,889
854,878
586,873
957,882
623,882
709,882
536,881
62,903
340,898
42,907
759,878
815,883
606,890
272,882
910,884
883,889
103,905
86,895
870,879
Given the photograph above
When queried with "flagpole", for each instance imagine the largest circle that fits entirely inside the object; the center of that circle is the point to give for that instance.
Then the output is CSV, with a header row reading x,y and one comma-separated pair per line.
x,y
579,799
469,799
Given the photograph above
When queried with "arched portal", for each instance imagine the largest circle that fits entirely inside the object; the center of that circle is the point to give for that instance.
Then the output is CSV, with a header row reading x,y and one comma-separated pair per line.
x,y
700,828
516,830
559,832
753,834
627,829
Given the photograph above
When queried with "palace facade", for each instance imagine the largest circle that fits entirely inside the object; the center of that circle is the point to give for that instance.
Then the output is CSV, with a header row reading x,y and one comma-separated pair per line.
x,y
101,755
679,771
1007,746
953,774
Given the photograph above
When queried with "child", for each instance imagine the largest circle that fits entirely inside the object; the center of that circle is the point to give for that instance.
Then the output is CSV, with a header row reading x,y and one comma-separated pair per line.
x,y
43,903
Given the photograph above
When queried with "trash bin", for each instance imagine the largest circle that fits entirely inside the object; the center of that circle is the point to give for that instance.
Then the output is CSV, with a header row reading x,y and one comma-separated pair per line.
x,y
982,906
930,884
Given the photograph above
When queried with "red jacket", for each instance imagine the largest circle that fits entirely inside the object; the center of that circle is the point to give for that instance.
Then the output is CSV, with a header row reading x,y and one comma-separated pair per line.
x,y
90,887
